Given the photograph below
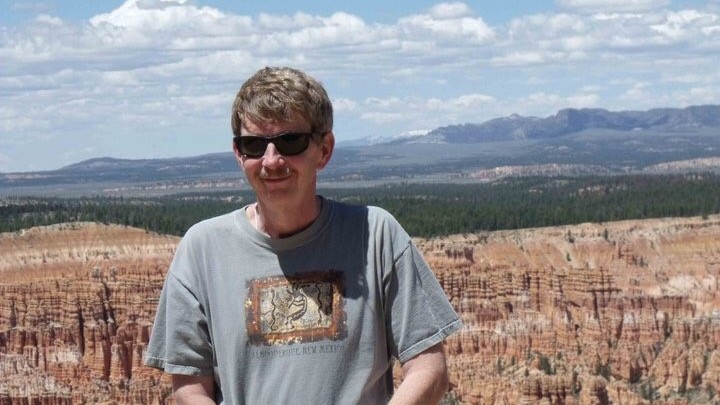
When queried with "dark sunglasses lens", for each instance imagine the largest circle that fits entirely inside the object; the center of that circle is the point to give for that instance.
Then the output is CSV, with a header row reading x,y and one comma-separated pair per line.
x,y
287,144
252,146
291,144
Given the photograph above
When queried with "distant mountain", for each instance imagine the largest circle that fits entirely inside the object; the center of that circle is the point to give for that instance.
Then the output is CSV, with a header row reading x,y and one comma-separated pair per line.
x,y
111,170
572,142
380,139
165,168
569,121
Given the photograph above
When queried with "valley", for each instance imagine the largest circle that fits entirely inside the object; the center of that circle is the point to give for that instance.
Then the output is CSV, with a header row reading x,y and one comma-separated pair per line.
x,y
595,313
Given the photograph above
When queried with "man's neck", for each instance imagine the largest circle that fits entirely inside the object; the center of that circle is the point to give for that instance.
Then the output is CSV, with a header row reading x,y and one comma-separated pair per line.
x,y
284,220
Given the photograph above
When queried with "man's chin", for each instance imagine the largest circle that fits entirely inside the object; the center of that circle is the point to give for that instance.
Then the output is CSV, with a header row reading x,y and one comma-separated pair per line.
x,y
277,183
277,188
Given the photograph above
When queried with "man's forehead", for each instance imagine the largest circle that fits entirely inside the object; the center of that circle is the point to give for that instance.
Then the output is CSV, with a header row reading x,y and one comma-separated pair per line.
x,y
258,127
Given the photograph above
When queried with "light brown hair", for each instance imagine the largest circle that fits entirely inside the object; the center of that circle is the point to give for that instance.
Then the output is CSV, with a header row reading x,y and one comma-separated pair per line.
x,y
281,94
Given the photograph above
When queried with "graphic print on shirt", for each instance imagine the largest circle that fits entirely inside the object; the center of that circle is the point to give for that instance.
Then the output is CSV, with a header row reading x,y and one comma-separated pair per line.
x,y
300,309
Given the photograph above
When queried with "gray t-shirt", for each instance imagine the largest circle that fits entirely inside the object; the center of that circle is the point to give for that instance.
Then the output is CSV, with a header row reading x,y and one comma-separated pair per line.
x,y
314,318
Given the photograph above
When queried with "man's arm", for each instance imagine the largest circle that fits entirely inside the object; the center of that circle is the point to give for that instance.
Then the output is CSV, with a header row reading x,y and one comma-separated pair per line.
x,y
425,379
193,390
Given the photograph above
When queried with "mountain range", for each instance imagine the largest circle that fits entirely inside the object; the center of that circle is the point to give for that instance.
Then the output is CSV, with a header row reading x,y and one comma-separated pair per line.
x,y
571,142
569,121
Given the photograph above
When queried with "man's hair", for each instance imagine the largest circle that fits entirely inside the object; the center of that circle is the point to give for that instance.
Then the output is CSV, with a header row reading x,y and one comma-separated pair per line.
x,y
281,94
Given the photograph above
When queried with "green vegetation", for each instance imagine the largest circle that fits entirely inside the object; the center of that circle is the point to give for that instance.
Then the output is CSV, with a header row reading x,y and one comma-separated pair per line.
x,y
450,398
423,209
170,215
546,366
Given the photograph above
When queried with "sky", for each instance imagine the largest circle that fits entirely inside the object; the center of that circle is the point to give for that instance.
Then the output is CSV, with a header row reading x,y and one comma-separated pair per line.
x,y
156,78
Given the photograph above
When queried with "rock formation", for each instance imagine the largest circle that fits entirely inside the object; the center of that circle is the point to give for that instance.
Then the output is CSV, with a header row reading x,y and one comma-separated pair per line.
x,y
617,313
621,313
77,306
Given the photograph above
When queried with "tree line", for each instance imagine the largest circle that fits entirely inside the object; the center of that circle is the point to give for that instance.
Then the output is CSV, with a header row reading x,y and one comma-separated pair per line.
x,y
424,209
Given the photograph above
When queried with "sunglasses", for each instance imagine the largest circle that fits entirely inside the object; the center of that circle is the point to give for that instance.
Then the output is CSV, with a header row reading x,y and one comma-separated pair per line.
x,y
288,143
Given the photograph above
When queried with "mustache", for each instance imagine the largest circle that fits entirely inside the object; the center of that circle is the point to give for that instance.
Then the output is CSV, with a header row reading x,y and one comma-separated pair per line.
x,y
273,173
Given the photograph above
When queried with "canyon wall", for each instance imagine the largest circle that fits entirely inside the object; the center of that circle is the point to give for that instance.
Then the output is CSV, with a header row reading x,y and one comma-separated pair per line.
x,y
77,306
622,313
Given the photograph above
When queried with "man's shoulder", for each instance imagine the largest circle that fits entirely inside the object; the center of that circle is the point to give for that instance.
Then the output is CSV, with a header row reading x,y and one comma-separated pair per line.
x,y
369,212
377,219
213,226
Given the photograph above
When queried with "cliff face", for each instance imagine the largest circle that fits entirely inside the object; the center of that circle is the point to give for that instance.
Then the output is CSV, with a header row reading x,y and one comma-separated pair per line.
x,y
623,313
77,306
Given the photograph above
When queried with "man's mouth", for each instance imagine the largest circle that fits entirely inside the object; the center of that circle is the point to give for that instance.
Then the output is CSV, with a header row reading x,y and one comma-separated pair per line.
x,y
276,174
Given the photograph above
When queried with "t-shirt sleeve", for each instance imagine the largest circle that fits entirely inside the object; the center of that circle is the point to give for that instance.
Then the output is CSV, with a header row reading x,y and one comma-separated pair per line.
x,y
180,342
418,313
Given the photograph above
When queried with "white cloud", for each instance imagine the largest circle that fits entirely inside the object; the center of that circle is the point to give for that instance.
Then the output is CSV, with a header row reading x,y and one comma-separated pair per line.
x,y
153,64
688,25
340,29
543,104
542,39
343,104
391,102
583,100
519,59
48,19
383,117
687,78
6,161
450,11
148,16
38,7
709,94
171,35
638,92
15,122
406,71
596,6
562,38
272,22
471,100
430,112
542,98
448,21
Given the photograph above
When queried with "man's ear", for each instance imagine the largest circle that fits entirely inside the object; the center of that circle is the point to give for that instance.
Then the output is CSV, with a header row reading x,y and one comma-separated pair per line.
x,y
326,148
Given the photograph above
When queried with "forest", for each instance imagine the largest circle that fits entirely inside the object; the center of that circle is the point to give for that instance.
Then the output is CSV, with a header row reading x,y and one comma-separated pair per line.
x,y
425,210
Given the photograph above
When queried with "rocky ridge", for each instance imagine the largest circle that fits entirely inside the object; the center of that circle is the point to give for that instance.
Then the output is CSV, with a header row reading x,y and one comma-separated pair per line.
x,y
623,313
77,306
571,120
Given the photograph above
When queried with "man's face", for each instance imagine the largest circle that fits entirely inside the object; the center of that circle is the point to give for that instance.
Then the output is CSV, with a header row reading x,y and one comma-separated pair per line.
x,y
284,179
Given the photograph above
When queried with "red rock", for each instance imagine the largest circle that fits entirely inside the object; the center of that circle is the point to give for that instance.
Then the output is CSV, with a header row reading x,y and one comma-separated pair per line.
x,y
559,315
78,302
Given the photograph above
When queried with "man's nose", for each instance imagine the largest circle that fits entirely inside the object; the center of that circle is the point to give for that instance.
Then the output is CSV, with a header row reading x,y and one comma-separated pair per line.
x,y
272,157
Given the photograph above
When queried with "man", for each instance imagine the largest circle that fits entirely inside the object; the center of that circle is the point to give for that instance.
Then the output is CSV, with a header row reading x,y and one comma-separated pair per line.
x,y
297,299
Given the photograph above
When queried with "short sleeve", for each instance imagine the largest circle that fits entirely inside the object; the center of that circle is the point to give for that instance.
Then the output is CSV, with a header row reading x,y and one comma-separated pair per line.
x,y
418,314
180,342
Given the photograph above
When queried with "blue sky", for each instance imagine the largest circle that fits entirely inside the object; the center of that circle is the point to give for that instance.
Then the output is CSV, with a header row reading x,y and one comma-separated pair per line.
x,y
155,78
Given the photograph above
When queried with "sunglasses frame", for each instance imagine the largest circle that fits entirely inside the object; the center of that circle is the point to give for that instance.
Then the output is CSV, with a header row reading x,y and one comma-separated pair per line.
x,y
274,140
